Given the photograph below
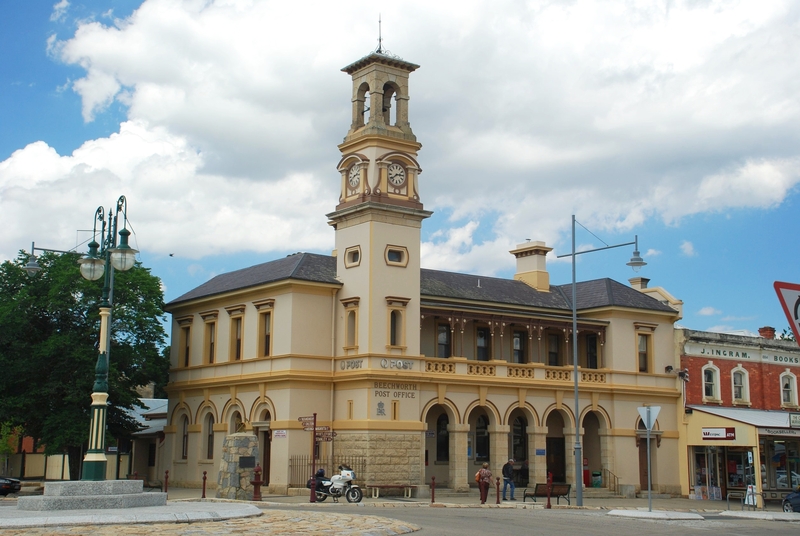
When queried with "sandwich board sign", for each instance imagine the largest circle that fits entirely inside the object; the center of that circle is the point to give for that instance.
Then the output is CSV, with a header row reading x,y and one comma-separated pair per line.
x,y
789,296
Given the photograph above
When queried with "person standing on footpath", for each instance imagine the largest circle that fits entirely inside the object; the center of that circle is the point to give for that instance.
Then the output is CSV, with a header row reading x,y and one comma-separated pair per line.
x,y
508,478
484,481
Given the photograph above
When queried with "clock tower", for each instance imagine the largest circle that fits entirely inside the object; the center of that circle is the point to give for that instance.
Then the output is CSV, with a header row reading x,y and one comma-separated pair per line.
x,y
379,215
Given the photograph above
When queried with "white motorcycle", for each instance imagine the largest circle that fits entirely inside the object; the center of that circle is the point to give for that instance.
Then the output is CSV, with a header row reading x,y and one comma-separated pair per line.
x,y
340,485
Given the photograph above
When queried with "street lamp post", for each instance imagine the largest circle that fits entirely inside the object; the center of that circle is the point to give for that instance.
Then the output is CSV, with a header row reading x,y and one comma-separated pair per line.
x,y
101,260
636,262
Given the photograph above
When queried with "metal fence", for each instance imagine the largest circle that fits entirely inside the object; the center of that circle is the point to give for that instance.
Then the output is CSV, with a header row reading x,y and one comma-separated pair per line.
x,y
300,468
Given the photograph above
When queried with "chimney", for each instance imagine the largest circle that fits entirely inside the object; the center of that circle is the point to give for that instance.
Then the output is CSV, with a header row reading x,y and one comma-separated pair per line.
x,y
767,332
532,265
638,283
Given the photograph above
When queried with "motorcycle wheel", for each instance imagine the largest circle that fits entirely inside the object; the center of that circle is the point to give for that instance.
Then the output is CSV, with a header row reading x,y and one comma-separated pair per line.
x,y
353,495
321,497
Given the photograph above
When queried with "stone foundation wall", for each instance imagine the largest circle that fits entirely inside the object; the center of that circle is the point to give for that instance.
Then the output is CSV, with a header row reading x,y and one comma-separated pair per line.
x,y
233,482
392,458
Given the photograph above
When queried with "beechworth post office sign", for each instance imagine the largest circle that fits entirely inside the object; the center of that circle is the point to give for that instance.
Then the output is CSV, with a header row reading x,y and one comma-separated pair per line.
x,y
741,353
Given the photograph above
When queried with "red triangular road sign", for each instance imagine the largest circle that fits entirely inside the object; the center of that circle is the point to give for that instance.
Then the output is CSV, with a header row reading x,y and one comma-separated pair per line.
x,y
789,296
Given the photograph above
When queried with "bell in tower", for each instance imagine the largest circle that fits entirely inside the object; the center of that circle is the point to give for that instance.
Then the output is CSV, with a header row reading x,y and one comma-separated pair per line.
x,y
379,152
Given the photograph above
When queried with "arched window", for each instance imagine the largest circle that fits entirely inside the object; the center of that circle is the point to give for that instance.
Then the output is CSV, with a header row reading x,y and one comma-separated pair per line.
x,y
788,390
442,439
236,423
185,437
482,439
351,329
739,382
710,382
209,437
395,327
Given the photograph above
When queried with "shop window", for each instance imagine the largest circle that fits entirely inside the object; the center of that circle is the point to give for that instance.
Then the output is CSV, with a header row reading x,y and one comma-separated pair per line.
x,y
209,424
519,439
553,350
211,341
482,439
788,390
264,308
443,340
644,345
643,351
186,340
483,344
740,386
442,439
518,340
710,383
591,351
351,323
184,437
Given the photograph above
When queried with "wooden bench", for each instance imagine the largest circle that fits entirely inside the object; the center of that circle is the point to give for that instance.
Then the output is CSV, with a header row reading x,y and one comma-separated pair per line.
x,y
376,489
559,491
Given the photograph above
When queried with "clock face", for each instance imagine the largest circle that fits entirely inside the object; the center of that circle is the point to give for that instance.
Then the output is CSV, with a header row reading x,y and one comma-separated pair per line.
x,y
397,174
354,177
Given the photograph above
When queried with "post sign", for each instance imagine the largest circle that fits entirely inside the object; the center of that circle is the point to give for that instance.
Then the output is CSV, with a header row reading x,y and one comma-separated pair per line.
x,y
320,435
789,296
308,428
649,417
306,419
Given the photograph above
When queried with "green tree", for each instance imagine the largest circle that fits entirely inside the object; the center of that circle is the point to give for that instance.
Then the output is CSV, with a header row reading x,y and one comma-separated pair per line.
x,y
787,335
49,337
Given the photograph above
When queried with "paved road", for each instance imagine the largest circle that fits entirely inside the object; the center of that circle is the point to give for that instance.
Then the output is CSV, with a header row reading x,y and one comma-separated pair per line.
x,y
502,521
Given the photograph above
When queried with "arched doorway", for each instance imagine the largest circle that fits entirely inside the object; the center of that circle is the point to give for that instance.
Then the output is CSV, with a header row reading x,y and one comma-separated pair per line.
x,y
518,445
265,440
592,447
479,444
556,447
438,445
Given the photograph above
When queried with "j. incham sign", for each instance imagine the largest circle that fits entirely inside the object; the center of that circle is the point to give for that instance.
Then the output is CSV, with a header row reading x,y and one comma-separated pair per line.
x,y
762,355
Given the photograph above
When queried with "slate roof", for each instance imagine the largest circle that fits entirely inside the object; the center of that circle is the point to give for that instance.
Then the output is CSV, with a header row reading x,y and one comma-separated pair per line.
x,y
436,284
302,266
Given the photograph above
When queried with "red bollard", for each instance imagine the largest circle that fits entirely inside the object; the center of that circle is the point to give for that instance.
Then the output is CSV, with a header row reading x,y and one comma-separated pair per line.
x,y
204,485
549,488
498,490
257,483
433,489
166,482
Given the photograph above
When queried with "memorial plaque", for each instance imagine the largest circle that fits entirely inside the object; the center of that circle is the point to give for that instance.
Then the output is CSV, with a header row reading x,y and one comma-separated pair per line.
x,y
247,462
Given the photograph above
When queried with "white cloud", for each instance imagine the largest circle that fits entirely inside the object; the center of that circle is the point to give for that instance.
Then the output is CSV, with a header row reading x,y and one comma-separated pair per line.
x,y
527,112
59,11
687,248
652,253
708,311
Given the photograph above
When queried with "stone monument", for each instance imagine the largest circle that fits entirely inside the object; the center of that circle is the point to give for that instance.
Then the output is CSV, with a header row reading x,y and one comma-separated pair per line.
x,y
237,468
95,495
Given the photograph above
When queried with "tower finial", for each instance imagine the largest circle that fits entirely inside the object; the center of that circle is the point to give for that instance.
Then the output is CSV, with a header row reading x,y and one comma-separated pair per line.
x,y
380,39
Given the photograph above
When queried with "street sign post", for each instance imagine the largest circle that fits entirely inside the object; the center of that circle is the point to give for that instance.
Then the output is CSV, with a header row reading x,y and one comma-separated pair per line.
x,y
318,428
649,415
310,419
789,296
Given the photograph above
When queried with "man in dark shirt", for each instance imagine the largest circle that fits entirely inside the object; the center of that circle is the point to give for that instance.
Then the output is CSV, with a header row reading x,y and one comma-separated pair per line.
x,y
508,479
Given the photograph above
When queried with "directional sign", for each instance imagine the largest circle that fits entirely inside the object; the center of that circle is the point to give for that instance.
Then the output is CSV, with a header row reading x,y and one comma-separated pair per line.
x,y
789,296
308,428
326,434
328,438
306,419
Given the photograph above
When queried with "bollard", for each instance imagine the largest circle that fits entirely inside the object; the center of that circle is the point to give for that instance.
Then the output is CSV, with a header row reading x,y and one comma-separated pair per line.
x,y
204,484
257,483
166,481
433,489
549,487
498,490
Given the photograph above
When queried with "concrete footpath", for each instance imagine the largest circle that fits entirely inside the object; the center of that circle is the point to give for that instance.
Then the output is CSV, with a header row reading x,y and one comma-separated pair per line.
x,y
185,506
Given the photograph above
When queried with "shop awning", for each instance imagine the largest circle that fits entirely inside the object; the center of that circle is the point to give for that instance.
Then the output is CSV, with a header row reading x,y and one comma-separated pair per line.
x,y
762,418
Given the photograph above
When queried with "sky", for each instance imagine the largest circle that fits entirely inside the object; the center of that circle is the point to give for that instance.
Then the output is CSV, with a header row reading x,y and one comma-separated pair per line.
x,y
674,121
